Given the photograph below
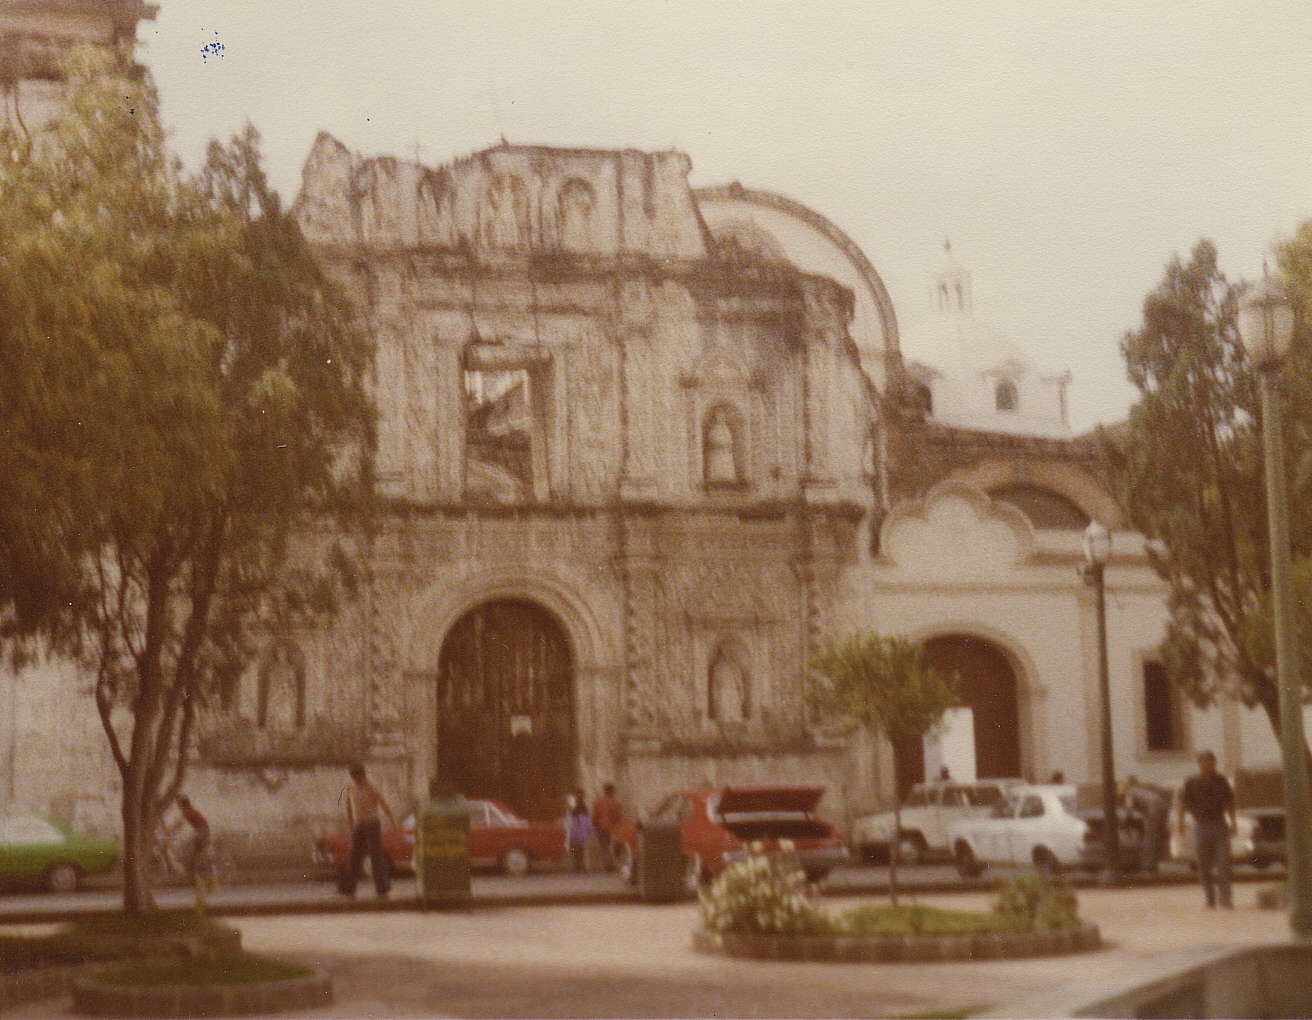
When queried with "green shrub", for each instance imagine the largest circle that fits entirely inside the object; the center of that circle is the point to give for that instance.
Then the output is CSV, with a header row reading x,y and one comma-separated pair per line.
x,y
1037,903
762,895
920,919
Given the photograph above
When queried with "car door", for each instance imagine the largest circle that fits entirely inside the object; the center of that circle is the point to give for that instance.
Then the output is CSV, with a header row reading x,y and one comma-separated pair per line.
x,y
484,835
1028,828
992,832
947,810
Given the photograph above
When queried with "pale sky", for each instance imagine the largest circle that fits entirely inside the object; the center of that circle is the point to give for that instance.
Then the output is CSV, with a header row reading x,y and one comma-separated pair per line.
x,y
1067,149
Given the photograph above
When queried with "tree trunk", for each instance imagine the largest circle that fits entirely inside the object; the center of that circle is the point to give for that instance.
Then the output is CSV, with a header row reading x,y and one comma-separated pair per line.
x,y
138,836
895,847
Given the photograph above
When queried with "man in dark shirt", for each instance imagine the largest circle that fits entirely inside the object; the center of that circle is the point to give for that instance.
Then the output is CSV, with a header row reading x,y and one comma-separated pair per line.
x,y
1208,797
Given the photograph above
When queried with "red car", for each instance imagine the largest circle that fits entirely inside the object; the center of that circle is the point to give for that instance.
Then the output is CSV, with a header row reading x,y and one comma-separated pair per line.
x,y
498,838
721,826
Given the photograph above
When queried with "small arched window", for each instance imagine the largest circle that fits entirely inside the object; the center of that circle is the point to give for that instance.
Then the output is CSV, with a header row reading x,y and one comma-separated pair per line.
x,y
1004,395
721,447
728,685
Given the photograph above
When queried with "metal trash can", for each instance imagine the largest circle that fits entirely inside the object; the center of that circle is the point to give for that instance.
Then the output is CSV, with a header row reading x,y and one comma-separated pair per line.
x,y
442,846
659,863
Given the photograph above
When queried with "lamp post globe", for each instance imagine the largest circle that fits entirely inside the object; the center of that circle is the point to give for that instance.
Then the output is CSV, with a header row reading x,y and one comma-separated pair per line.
x,y
1097,551
1266,326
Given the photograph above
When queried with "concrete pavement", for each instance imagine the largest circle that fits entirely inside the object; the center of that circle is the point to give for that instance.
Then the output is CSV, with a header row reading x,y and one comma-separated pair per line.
x,y
635,960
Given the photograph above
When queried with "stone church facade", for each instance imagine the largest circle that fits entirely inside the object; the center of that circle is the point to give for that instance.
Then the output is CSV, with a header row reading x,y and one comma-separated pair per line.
x,y
642,447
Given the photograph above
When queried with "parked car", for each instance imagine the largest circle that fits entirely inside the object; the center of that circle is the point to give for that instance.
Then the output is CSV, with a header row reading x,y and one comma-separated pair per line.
x,y
926,813
35,847
498,838
720,826
1051,827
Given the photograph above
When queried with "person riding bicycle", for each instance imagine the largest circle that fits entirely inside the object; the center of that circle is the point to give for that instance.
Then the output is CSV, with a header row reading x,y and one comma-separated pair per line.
x,y
198,850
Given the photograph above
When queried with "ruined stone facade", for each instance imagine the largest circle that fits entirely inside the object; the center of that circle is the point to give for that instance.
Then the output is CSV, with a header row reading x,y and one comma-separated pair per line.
x,y
585,407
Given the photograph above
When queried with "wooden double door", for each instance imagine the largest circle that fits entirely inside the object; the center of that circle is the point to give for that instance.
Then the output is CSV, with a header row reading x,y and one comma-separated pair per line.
x,y
505,708
989,689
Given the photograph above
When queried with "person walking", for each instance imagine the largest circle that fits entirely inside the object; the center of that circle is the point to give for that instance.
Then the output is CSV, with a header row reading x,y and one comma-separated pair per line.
x,y
365,806
607,814
1208,797
578,830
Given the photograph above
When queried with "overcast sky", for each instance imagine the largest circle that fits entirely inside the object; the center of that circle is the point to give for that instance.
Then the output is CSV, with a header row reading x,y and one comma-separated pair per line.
x,y
1067,149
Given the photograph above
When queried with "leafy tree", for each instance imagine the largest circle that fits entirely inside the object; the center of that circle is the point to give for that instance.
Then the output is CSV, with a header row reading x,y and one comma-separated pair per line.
x,y
184,404
879,684
1188,469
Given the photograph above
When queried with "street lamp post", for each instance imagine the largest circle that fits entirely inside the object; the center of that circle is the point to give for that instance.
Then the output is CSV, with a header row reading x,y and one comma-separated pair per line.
x,y
1266,326
1097,551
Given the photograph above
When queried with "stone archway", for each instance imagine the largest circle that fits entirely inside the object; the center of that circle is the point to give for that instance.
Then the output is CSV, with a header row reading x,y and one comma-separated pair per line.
x,y
989,688
505,707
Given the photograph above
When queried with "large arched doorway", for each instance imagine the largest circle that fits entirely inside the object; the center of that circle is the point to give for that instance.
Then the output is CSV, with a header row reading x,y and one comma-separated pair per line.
x,y
505,707
989,690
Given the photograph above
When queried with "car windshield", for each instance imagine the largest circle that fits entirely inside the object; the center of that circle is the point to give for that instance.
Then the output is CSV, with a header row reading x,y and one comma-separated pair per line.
x,y
1005,809
1067,803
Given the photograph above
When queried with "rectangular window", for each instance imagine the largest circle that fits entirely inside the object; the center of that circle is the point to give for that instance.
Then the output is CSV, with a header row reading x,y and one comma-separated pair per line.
x,y
1163,719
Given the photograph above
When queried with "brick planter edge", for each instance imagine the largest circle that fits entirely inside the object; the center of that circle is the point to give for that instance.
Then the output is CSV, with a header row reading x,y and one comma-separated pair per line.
x,y
898,948
99,999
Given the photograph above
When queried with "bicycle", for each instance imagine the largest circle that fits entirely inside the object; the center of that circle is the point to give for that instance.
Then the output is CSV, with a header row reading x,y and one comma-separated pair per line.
x,y
178,858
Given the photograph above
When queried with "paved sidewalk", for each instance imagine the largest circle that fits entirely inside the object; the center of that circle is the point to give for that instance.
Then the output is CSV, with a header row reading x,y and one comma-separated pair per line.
x,y
636,961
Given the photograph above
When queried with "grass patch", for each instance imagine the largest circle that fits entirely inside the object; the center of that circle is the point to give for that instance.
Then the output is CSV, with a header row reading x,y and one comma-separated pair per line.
x,y
104,938
218,969
919,919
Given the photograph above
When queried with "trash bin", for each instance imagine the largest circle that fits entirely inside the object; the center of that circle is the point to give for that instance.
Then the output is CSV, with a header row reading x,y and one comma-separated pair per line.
x,y
442,846
659,862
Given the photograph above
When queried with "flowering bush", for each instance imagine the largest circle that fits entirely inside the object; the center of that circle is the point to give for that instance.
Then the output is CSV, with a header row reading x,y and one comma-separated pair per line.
x,y
758,894
1037,903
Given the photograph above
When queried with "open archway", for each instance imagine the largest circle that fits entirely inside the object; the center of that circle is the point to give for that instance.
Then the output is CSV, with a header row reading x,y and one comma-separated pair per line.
x,y
505,707
989,689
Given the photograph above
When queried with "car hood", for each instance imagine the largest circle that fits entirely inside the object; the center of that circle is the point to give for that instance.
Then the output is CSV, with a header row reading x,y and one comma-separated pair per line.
x,y
753,799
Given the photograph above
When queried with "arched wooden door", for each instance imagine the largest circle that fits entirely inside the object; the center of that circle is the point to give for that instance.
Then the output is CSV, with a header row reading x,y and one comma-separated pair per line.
x,y
505,708
989,689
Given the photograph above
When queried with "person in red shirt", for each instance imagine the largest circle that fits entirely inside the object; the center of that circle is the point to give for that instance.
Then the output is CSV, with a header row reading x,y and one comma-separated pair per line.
x,y
606,817
198,850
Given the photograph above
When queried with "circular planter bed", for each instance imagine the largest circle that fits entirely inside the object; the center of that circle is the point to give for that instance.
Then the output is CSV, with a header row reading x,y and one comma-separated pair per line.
x,y
898,948
228,986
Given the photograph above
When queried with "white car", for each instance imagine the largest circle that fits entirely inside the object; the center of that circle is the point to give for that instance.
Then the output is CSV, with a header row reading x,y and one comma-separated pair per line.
x,y
1050,827
926,813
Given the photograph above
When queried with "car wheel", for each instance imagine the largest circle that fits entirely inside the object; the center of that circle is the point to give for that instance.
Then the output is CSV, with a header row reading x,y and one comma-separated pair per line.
x,y
63,878
1047,864
692,874
624,864
967,865
515,862
911,849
